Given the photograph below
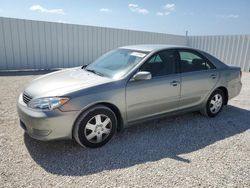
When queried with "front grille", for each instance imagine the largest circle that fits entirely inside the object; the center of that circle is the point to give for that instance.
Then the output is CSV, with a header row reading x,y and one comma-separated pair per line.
x,y
26,98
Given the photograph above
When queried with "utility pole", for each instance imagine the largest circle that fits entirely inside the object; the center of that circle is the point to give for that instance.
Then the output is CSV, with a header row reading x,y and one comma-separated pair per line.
x,y
187,39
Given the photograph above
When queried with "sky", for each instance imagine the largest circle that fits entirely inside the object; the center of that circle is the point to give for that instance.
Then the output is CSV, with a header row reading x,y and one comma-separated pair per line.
x,y
198,17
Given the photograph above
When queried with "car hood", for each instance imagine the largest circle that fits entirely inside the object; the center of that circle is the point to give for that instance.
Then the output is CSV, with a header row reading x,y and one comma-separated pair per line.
x,y
60,83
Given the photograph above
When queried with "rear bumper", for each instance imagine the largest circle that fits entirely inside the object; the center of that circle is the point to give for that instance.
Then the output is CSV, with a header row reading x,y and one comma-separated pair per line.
x,y
234,90
48,125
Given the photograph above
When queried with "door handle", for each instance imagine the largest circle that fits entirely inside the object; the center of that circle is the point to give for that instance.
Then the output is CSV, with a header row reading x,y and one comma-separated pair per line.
x,y
213,76
174,83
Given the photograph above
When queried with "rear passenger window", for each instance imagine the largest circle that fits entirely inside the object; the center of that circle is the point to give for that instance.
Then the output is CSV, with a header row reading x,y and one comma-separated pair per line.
x,y
193,62
160,64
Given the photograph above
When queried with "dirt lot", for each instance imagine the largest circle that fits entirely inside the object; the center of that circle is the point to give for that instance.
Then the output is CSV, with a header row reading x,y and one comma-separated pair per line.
x,y
184,151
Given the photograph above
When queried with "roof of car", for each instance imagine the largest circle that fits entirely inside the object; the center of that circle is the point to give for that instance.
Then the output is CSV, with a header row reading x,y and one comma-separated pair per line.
x,y
157,47
153,47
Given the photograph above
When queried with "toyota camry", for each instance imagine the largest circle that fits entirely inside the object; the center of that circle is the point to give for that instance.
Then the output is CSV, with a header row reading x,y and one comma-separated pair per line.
x,y
125,86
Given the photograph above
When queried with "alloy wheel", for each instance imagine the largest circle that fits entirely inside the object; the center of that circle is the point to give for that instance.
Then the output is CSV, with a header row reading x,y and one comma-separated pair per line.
x,y
216,103
98,128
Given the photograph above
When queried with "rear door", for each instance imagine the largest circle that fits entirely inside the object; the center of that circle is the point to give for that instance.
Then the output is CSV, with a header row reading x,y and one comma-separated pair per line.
x,y
198,77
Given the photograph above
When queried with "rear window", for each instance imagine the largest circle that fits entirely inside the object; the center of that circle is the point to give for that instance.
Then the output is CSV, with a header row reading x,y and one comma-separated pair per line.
x,y
191,61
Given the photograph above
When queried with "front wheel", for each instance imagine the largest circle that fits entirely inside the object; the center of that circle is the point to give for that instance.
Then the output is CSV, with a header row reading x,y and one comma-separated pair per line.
x,y
95,127
214,104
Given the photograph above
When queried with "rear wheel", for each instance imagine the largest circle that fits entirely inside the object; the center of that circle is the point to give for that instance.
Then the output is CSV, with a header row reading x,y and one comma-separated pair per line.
x,y
214,103
95,127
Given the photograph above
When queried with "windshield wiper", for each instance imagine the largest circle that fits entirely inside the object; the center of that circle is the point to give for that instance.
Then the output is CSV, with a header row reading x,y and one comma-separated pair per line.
x,y
95,72
84,66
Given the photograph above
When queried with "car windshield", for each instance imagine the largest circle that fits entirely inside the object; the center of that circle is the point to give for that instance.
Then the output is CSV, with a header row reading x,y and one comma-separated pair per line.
x,y
117,63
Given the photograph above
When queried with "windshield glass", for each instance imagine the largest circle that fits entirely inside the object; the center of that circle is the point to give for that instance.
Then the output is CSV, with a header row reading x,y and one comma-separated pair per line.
x,y
116,63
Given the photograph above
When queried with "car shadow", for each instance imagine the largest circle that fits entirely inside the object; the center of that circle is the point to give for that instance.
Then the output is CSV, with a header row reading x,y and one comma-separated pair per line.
x,y
153,141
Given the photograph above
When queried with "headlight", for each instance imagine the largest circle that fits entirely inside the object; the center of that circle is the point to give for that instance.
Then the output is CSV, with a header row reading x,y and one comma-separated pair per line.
x,y
47,103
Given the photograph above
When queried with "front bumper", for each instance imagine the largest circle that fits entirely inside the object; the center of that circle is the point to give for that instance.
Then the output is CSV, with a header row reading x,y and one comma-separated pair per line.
x,y
46,125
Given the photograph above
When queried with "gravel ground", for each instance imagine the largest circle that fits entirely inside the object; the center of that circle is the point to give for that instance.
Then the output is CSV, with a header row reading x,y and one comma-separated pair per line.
x,y
184,151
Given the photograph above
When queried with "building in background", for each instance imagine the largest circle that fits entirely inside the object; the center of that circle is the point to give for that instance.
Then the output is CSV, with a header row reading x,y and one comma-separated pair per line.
x,y
26,44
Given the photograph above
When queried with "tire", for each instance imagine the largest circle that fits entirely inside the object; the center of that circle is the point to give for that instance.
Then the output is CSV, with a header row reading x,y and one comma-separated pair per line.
x,y
214,104
95,127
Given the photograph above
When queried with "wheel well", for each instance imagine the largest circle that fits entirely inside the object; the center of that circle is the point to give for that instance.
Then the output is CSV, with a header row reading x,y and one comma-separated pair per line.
x,y
117,113
113,108
225,93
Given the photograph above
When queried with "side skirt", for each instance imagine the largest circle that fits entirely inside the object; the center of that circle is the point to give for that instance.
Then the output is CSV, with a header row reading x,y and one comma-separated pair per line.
x,y
164,115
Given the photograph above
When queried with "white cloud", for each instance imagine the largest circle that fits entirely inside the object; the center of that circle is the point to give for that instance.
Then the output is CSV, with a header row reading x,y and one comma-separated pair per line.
x,y
39,8
159,13
132,5
136,8
169,7
104,10
229,16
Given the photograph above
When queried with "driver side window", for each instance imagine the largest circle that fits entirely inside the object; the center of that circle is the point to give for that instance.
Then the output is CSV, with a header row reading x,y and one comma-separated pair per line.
x,y
161,64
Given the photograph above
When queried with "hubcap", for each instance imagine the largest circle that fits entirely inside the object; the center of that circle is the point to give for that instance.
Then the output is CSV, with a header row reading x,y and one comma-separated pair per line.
x,y
98,128
215,103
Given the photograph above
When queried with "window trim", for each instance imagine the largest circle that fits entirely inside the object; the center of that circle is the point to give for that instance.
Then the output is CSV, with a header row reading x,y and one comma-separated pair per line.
x,y
196,53
177,66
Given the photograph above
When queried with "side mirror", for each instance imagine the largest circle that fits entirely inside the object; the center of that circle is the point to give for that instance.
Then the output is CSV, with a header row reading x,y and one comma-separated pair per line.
x,y
142,75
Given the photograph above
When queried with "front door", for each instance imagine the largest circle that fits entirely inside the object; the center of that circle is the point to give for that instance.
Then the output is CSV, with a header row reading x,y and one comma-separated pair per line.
x,y
158,95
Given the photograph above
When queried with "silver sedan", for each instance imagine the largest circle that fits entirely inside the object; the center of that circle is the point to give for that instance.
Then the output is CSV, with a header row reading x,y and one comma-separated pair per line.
x,y
123,87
